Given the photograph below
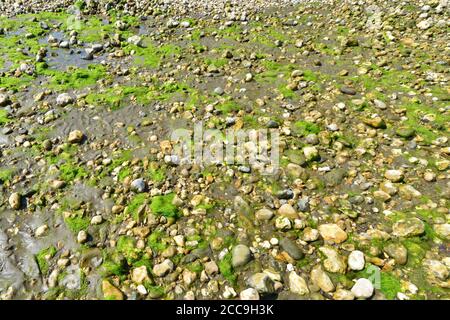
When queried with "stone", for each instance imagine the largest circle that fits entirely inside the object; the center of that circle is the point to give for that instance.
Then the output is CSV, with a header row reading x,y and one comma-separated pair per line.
x,y
219,91
163,268
436,269
40,231
334,262
138,185
375,122
82,237
424,25
363,288
394,175
4,100
136,40
310,234
241,255
348,90
264,214
405,132
443,230
311,153
291,248
321,279
408,192
98,219
261,282
379,104
15,200
408,228
356,260
342,294
110,292
211,268
64,99
286,210
139,275
75,136
249,294
332,233
397,251
297,284
283,223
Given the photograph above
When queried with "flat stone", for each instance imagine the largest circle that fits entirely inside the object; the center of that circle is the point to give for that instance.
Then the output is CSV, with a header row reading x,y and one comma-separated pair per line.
x,y
241,255
408,228
110,292
332,233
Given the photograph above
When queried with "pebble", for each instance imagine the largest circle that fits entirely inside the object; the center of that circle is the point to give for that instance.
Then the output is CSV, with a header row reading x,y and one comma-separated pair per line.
x,y
241,255
356,260
362,288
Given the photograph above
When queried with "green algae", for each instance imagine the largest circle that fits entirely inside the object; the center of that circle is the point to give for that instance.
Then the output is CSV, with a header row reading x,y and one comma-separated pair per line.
x,y
42,259
162,205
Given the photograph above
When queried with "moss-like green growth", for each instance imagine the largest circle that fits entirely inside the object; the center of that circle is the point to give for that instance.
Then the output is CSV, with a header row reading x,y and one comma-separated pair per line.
x,y
116,97
156,174
195,266
127,246
70,172
155,243
386,282
134,205
154,291
151,55
4,118
162,205
228,107
73,78
113,268
43,257
6,175
286,92
303,128
77,222
226,268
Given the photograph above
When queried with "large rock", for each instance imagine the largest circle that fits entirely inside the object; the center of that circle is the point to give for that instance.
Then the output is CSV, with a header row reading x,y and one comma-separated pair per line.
x,y
321,279
363,288
249,294
443,230
162,269
64,99
75,136
241,255
291,248
261,282
397,251
110,292
394,175
297,284
264,214
15,201
286,210
332,233
334,262
408,228
356,260
139,275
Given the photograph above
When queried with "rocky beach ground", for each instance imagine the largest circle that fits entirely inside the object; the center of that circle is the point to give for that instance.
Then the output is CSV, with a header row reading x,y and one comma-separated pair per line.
x,y
94,206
